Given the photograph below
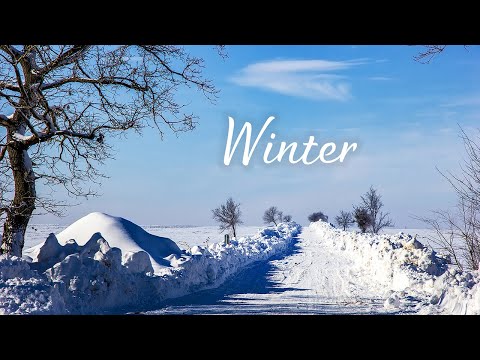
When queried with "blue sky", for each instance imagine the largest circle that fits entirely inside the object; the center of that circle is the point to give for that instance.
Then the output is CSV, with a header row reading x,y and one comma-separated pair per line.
x,y
403,115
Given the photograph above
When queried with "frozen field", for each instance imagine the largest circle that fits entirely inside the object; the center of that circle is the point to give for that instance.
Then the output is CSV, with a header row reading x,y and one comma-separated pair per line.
x,y
182,235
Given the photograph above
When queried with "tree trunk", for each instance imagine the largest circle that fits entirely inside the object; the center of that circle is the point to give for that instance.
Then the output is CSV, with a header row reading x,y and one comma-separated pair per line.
x,y
23,204
234,232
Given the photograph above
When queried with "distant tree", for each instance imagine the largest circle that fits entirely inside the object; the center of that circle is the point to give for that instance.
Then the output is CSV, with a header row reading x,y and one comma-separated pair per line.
x,y
362,218
228,215
272,215
345,219
275,216
372,202
317,216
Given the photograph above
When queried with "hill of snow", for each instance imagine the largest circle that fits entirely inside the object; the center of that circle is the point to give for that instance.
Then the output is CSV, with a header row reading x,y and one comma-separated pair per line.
x,y
119,233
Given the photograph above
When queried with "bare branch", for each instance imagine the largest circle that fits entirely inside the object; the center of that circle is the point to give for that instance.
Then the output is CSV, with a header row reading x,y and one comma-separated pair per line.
x,y
125,82
64,58
429,52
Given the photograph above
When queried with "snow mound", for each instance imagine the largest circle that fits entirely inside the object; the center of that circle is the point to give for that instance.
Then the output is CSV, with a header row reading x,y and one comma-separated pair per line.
x,y
88,275
117,231
411,276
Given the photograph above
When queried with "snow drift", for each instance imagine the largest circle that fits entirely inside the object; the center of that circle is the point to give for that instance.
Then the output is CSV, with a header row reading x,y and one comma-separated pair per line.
x,y
411,276
24,291
108,264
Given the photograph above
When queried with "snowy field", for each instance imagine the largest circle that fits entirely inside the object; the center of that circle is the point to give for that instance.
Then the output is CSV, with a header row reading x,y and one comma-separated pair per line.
x,y
182,235
189,235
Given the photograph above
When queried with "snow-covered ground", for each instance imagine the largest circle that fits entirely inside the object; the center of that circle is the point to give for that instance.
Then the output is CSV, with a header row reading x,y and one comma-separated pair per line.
x,y
323,270
184,236
333,271
311,278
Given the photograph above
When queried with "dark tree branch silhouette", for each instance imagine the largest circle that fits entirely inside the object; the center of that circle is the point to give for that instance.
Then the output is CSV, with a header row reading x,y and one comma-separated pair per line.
x,y
428,53
60,104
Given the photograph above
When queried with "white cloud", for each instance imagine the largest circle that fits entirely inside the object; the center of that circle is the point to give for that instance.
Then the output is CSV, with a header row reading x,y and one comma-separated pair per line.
x,y
313,79
380,78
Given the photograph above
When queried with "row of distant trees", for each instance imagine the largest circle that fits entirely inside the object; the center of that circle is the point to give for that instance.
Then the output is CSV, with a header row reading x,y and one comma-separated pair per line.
x,y
228,215
368,215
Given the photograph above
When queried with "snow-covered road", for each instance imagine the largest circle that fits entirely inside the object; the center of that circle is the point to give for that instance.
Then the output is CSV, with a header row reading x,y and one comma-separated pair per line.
x,y
311,278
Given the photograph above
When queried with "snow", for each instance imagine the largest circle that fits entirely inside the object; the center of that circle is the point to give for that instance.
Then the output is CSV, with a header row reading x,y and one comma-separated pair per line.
x,y
310,278
20,137
104,264
24,291
412,277
331,271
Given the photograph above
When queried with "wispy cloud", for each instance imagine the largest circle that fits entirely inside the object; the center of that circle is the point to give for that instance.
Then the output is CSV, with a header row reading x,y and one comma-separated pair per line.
x,y
313,79
380,78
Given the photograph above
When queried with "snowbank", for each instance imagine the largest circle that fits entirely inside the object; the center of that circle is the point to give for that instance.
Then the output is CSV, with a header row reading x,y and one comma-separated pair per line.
x,y
107,264
24,291
411,276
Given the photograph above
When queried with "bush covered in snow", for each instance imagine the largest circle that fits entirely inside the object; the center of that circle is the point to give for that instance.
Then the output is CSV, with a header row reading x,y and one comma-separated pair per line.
x,y
316,216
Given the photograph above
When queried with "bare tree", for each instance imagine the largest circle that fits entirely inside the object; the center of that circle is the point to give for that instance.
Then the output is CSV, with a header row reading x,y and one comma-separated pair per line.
x,y
372,202
345,219
363,218
272,215
457,232
317,216
228,215
59,105
287,218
